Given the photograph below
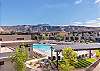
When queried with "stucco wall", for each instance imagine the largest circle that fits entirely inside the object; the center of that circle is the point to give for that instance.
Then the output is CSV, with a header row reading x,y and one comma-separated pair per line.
x,y
14,37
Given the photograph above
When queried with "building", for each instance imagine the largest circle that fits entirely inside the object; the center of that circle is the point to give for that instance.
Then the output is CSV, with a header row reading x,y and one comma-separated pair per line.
x,y
8,43
83,36
14,37
15,40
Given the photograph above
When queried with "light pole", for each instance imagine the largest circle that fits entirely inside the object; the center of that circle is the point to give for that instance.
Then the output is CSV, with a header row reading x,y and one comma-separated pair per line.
x,y
57,53
51,52
0,47
90,53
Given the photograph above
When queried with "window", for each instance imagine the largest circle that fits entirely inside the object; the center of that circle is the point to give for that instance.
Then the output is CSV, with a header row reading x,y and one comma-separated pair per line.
x,y
1,62
0,39
20,38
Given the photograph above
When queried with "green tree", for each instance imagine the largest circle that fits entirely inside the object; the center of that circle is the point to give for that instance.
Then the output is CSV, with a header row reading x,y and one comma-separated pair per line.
x,y
40,37
65,66
97,53
69,58
19,58
70,55
59,37
34,37
44,37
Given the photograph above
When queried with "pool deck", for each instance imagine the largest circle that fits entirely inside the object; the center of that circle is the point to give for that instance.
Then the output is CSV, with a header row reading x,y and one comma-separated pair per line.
x,y
41,52
97,67
5,49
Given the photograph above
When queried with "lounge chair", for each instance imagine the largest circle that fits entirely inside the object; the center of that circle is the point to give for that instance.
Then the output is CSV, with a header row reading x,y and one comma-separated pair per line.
x,y
52,58
51,66
1,62
59,57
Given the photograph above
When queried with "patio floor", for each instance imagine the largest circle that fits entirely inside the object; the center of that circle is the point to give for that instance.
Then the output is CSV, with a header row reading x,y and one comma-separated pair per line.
x,y
97,68
8,66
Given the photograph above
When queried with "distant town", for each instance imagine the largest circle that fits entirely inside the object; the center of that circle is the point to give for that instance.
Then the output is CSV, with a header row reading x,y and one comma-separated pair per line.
x,y
47,32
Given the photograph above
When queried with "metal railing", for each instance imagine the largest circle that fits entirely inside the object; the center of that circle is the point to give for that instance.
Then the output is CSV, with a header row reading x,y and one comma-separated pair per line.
x,y
5,55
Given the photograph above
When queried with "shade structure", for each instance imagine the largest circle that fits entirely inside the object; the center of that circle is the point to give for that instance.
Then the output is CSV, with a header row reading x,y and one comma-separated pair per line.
x,y
18,41
78,46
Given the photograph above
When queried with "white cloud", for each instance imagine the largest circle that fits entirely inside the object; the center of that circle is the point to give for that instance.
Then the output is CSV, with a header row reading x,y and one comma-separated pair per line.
x,y
78,1
56,5
97,1
98,18
89,23
93,23
77,23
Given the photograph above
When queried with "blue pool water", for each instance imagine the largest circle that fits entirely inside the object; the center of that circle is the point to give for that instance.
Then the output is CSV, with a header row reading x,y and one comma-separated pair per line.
x,y
42,47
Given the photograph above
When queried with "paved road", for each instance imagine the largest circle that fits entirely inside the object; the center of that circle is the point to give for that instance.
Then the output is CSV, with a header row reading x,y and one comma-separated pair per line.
x,y
97,68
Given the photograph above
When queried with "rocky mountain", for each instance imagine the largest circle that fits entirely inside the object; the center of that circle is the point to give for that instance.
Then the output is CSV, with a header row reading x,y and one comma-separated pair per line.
x,y
46,28
1,30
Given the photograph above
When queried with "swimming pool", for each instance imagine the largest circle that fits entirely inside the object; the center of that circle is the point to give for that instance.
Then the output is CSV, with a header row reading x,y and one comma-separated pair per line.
x,y
42,47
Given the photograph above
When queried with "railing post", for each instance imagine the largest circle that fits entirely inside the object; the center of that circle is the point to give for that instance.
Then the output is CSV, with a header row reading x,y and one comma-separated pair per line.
x,y
57,61
90,53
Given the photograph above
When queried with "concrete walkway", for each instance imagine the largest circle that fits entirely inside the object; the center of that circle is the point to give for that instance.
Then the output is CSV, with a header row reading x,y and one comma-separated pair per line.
x,y
97,68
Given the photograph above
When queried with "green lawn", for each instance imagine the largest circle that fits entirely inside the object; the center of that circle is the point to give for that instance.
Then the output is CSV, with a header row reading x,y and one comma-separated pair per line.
x,y
83,63
91,60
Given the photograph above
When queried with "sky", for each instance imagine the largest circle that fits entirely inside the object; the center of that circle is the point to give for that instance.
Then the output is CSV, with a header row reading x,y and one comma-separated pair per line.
x,y
52,12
